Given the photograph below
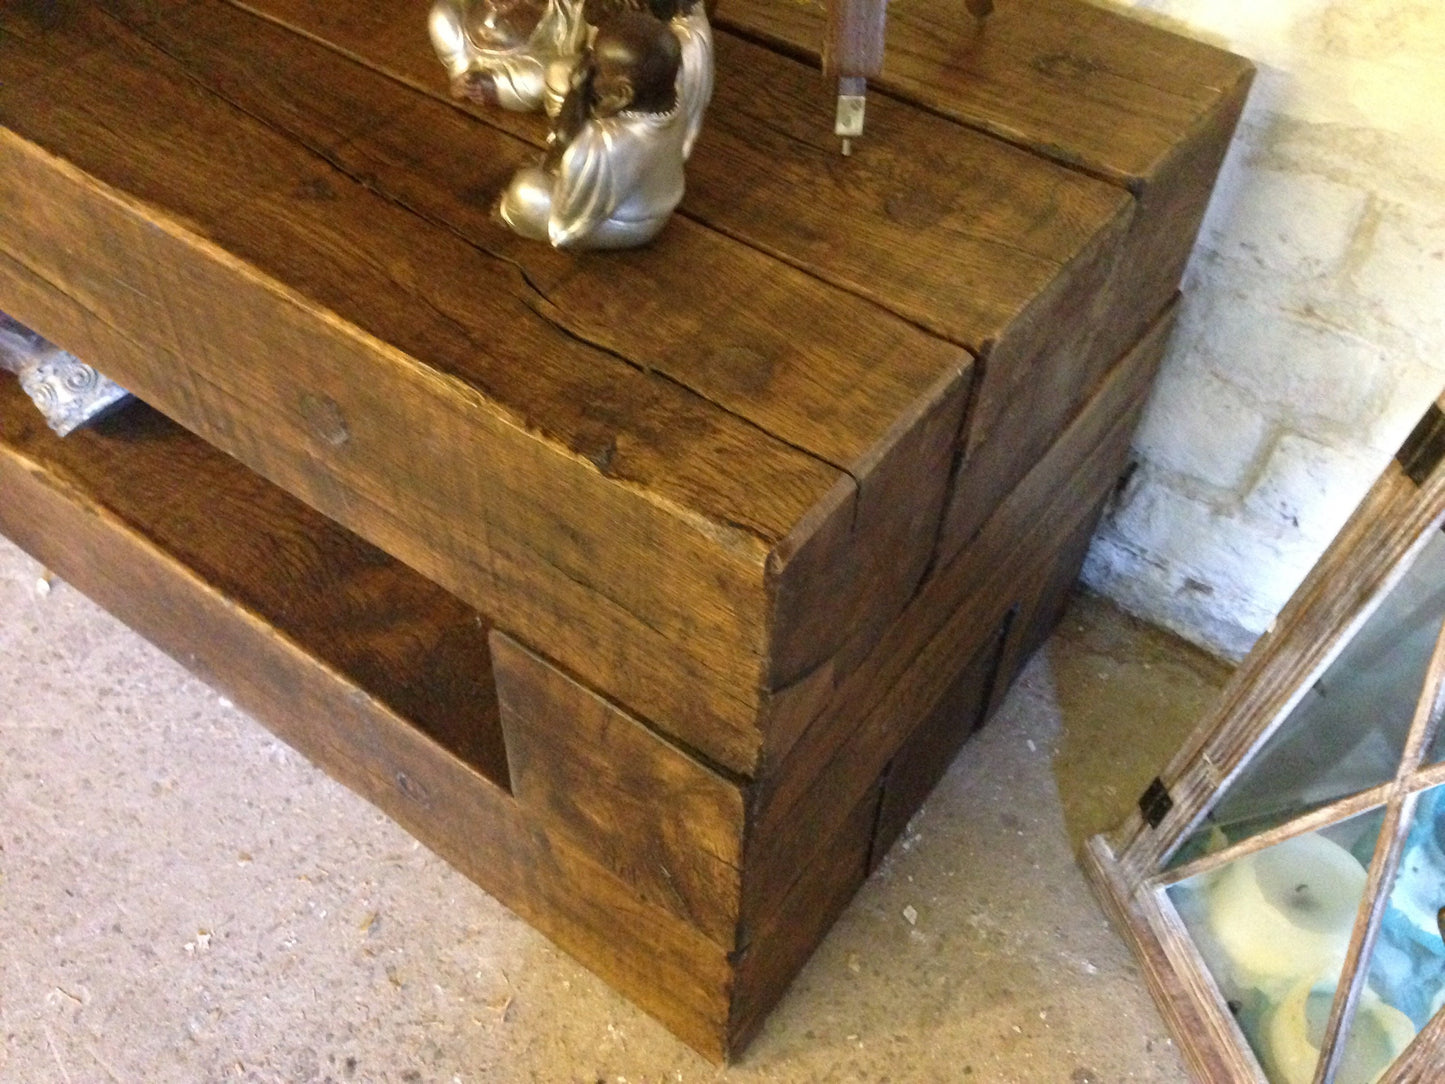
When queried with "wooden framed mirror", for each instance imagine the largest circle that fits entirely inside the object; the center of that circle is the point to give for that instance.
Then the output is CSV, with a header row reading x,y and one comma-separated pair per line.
x,y
1283,880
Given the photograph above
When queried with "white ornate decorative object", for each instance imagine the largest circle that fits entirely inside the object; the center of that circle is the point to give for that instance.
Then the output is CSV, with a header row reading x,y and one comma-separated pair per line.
x,y
1294,1028
66,390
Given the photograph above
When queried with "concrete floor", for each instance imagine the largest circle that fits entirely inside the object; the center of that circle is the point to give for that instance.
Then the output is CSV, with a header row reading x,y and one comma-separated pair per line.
x,y
183,898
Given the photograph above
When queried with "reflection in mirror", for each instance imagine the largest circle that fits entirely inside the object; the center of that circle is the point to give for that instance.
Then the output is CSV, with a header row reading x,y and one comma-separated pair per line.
x,y
1406,971
1273,928
1378,1035
1348,732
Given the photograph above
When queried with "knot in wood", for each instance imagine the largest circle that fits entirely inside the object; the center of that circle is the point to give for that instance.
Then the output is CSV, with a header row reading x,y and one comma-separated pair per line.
x,y
325,419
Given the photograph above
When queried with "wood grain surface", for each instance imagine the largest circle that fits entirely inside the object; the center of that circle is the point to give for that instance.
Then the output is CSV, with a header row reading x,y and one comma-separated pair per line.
x,y
597,795
1209,1038
1095,90
954,231
926,754
994,249
449,431
413,646
1135,91
777,458
980,244
1420,1063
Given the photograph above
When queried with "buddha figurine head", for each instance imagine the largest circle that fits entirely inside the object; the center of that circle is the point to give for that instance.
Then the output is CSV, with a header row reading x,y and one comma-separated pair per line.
x,y
671,9
613,173
498,52
634,66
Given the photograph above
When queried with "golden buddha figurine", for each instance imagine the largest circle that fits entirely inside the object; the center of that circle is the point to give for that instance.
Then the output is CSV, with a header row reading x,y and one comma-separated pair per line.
x,y
614,173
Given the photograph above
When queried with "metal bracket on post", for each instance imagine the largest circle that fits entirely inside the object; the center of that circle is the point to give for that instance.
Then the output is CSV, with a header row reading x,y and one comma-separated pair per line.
x,y
852,102
1155,803
1424,447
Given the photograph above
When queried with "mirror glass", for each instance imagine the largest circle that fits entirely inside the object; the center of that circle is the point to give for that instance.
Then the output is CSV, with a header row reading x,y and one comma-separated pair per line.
x,y
1273,927
1347,734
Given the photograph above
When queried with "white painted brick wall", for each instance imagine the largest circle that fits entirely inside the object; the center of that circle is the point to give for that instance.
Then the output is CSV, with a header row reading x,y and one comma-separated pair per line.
x,y
1312,335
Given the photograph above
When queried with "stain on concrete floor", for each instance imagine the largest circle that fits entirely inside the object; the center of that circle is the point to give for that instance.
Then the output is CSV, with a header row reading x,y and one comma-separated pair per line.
x,y
185,899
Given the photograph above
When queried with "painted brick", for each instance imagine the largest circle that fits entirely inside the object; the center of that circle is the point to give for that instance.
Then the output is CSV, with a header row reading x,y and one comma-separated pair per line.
x,y
1314,333
1296,365
1402,275
1301,486
1418,383
1200,426
1293,226
1190,536
1204,615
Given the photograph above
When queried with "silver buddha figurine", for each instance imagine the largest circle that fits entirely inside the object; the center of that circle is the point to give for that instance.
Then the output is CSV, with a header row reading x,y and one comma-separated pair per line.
x,y
688,20
694,80
498,52
614,172
66,390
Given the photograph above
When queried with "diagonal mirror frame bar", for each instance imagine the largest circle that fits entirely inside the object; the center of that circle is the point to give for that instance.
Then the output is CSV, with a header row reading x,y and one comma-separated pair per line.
x,y
1409,777
1396,803
1362,941
1405,974
1185,954
1371,553
1312,821
1274,931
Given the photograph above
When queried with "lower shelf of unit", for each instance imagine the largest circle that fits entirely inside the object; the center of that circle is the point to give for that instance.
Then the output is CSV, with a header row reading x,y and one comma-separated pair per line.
x,y
380,627
373,672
